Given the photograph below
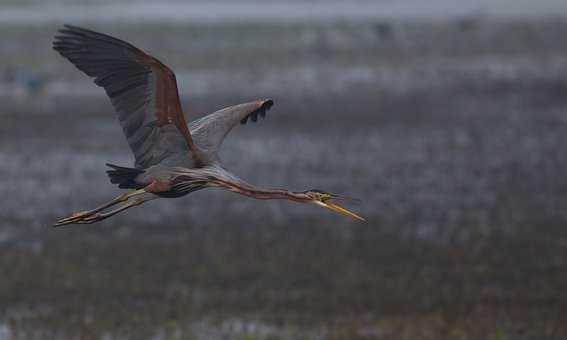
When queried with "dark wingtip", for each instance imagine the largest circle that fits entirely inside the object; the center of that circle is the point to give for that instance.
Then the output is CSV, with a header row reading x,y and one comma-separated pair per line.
x,y
268,103
61,38
68,29
72,28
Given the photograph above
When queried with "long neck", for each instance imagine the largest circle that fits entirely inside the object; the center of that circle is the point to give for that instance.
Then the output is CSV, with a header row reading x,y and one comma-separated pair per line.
x,y
216,175
250,190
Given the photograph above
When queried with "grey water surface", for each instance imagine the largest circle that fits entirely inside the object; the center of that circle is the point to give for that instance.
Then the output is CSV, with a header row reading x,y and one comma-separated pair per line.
x,y
447,120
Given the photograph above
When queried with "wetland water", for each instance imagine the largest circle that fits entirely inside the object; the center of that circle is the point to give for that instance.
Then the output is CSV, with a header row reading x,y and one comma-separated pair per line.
x,y
450,130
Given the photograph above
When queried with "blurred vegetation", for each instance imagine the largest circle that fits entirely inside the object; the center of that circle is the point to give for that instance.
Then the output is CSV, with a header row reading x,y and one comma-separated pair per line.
x,y
451,132
362,288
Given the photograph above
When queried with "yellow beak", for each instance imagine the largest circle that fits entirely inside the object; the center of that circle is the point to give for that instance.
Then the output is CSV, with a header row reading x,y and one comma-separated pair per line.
x,y
339,209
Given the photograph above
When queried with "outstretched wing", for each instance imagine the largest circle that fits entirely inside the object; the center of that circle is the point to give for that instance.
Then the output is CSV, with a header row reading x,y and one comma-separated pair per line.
x,y
210,131
142,90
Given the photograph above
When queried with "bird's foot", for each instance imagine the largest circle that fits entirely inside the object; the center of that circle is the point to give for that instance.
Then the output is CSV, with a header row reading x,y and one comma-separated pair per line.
x,y
91,218
81,217
101,213
74,217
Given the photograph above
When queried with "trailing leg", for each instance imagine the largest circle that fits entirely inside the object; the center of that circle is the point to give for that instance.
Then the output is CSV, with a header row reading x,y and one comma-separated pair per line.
x,y
82,215
97,217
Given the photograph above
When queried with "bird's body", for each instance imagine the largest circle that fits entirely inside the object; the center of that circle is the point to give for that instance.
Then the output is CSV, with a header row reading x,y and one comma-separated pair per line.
x,y
180,174
172,158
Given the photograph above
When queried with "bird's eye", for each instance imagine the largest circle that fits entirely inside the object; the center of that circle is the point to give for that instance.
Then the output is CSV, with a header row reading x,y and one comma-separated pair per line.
x,y
320,195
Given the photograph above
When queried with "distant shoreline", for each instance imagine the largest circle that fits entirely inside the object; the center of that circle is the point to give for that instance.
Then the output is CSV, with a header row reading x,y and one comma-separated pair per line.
x,y
220,12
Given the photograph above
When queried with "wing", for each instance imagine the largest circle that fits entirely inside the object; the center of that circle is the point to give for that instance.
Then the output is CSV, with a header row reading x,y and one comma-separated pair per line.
x,y
142,90
210,131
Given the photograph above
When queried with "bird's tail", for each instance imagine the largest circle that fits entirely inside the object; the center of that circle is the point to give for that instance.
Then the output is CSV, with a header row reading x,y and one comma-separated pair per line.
x,y
124,177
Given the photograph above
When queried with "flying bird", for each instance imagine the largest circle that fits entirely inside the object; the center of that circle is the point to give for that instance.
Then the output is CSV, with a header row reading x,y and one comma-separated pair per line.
x,y
172,158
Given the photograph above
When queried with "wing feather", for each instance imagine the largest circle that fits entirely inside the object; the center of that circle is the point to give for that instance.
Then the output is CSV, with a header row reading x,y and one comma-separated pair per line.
x,y
142,90
210,131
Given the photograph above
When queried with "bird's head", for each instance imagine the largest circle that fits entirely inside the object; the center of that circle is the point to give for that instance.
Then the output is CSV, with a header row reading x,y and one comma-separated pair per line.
x,y
325,200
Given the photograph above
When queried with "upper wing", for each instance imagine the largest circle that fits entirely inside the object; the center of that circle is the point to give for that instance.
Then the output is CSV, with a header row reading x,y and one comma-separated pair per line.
x,y
142,90
210,131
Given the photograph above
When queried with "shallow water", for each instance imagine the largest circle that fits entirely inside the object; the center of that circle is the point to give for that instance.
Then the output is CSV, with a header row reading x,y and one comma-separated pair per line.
x,y
450,132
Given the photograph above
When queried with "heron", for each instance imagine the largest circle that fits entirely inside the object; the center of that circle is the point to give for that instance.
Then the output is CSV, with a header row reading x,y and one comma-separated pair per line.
x,y
172,158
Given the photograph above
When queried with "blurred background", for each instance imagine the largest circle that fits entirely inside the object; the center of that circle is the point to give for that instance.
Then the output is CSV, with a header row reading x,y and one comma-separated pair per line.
x,y
447,118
